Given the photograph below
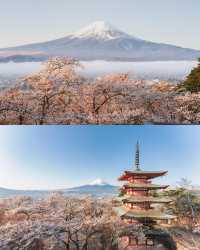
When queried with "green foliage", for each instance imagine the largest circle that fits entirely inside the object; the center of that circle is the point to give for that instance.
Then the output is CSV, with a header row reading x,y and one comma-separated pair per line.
x,y
121,193
192,82
184,183
185,204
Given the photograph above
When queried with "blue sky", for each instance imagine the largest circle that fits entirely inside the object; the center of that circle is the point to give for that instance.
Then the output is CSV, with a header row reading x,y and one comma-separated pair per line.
x,y
35,157
172,21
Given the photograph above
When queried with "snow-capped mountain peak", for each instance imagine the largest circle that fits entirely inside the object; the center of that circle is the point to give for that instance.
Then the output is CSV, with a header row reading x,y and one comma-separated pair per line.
x,y
98,182
100,30
99,41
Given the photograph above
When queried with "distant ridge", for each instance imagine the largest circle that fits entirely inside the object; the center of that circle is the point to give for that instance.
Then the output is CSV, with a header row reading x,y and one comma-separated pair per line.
x,y
7,193
99,41
98,188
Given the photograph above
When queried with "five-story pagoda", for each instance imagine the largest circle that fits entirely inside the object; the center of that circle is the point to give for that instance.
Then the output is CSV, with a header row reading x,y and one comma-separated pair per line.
x,y
140,205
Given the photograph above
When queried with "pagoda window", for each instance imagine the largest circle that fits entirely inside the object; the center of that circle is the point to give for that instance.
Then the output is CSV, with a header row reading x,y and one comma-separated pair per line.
x,y
125,220
149,242
136,207
126,239
147,206
133,241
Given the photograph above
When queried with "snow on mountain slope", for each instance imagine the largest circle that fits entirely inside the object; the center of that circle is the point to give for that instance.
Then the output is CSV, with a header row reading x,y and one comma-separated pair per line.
x,y
99,41
100,30
98,182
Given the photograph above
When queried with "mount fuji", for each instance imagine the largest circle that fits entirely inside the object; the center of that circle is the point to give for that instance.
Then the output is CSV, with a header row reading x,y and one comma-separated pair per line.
x,y
99,41
97,188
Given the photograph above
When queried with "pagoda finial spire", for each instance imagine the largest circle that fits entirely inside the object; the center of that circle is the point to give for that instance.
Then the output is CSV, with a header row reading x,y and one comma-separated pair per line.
x,y
137,157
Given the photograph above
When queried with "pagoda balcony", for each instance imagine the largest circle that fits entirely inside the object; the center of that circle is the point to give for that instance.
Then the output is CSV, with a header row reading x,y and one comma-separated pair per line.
x,y
137,206
137,193
133,180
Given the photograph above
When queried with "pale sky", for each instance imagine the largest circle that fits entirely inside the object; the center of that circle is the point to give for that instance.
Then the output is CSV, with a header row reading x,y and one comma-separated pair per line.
x,y
48,157
173,21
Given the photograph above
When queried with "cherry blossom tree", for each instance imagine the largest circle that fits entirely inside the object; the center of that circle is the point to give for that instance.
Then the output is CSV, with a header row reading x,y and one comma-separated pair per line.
x,y
58,95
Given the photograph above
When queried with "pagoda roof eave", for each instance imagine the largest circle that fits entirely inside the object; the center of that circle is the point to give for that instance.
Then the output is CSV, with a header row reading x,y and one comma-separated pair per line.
x,y
147,174
154,215
144,186
151,199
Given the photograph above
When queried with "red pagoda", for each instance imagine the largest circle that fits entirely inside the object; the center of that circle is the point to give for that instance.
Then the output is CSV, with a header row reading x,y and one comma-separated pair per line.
x,y
139,204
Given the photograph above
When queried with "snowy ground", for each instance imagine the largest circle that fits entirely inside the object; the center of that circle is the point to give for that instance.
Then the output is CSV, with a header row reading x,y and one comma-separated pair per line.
x,y
171,70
